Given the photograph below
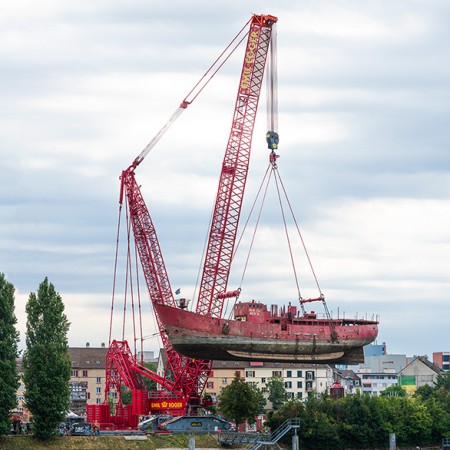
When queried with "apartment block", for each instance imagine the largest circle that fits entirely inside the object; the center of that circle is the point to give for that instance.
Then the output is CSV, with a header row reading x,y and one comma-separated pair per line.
x,y
88,376
442,360
300,380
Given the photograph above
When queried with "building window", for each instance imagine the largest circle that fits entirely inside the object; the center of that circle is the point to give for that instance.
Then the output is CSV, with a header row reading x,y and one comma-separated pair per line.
x,y
98,390
309,375
224,380
210,384
299,384
88,395
299,374
74,373
276,373
309,385
288,373
85,373
250,373
263,380
299,394
288,384
99,379
98,401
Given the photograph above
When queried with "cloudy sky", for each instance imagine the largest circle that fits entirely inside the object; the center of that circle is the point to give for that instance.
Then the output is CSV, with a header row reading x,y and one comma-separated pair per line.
x,y
364,99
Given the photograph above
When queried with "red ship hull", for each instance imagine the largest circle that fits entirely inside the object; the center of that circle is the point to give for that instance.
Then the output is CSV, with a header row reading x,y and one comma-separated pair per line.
x,y
263,336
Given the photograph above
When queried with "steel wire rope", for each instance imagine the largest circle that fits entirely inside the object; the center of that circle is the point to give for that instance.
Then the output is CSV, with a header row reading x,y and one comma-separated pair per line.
x,y
185,103
139,299
202,259
126,272
264,183
322,297
115,275
300,235
275,171
132,311
239,240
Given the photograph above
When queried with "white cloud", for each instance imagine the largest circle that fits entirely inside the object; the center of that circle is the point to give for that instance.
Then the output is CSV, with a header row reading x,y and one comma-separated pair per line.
x,y
364,144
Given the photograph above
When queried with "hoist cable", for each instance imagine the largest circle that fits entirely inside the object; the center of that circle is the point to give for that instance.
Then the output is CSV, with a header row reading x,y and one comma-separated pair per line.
x,y
301,237
256,227
275,170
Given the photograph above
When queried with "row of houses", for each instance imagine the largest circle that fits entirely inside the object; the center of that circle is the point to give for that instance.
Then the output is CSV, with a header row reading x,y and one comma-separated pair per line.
x,y
87,382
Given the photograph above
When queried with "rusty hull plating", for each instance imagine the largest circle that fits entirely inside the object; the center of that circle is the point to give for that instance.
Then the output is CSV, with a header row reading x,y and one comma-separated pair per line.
x,y
255,333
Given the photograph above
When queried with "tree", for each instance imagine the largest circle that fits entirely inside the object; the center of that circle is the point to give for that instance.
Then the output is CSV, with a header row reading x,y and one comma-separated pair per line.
x,y
393,391
9,338
261,399
126,396
443,381
150,385
239,401
46,360
425,392
277,392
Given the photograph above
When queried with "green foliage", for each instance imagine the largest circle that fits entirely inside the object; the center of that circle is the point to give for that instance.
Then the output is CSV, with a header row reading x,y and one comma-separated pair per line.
x,y
150,385
46,360
424,392
277,392
261,399
443,381
393,391
289,410
9,338
362,421
239,401
126,396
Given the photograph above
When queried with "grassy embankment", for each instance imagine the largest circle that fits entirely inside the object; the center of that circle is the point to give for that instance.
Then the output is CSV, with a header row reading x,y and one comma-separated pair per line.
x,y
105,442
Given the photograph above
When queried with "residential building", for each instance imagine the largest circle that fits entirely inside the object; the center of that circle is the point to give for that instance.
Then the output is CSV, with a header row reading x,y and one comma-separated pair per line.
x,y
88,376
349,380
223,373
419,372
375,382
442,360
300,380
385,363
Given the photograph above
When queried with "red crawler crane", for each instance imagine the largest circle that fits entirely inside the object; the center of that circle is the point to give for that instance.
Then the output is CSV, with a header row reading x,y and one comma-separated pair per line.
x,y
185,384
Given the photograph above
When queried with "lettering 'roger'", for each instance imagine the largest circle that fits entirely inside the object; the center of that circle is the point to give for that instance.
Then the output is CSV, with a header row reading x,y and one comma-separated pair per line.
x,y
249,59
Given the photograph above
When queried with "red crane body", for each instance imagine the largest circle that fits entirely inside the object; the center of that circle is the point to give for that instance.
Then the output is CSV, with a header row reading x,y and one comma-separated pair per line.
x,y
186,377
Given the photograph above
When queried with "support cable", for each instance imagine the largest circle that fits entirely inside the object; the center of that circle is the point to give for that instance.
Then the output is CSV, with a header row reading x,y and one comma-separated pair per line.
x,y
301,237
115,275
255,229
139,301
194,92
275,170
127,271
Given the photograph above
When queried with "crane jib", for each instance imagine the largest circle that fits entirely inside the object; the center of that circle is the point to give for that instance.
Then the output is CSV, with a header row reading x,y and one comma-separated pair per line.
x,y
232,181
